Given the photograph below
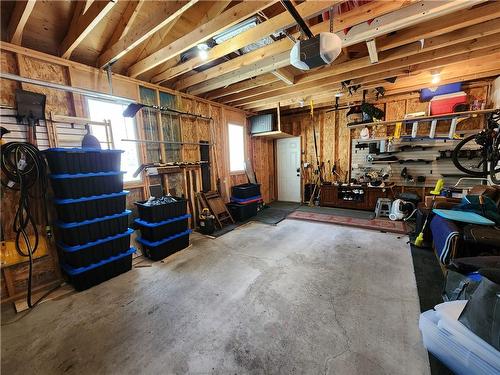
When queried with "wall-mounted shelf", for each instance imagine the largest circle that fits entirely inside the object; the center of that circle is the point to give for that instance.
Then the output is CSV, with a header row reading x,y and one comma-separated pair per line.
x,y
275,134
448,116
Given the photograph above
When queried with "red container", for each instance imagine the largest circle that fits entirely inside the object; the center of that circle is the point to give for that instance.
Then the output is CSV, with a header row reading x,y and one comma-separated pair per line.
x,y
443,104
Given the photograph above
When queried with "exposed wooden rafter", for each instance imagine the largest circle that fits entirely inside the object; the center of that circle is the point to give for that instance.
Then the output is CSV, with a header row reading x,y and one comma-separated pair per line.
x,y
284,75
318,82
126,21
225,20
18,19
83,23
171,10
277,53
264,29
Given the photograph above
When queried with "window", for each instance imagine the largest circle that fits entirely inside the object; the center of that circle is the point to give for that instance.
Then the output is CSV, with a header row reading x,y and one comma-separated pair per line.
x,y
122,128
236,148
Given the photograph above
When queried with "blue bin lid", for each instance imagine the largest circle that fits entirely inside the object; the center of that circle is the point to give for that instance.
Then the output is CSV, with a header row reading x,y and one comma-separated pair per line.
x,y
153,225
70,249
82,175
80,150
243,200
75,271
91,198
165,240
60,224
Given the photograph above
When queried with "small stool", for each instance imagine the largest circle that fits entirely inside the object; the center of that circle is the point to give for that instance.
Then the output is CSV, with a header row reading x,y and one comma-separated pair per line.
x,y
383,207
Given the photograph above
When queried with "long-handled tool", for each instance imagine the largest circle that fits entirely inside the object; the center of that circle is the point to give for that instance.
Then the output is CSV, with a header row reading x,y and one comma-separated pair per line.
x,y
437,190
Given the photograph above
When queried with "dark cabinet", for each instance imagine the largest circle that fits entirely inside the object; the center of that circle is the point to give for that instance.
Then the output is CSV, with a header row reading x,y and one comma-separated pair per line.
x,y
353,197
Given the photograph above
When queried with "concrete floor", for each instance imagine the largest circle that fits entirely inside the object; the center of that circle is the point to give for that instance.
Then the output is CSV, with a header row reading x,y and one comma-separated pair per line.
x,y
297,298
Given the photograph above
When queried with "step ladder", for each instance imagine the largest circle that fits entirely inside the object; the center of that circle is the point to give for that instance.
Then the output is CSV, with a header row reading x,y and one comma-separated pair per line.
x,y
383,208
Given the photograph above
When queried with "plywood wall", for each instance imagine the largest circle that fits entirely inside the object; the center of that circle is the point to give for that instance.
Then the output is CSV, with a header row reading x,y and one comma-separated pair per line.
x,y
334,137
52,69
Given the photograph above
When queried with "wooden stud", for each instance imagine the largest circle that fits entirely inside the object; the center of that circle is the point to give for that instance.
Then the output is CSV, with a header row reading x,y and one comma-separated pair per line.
x,y
127,19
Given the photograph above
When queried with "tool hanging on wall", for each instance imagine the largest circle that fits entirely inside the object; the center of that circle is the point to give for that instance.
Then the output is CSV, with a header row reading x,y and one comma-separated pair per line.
x,y
30,107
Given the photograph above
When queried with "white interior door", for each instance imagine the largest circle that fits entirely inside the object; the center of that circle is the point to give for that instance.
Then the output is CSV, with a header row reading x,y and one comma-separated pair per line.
x,y
288,164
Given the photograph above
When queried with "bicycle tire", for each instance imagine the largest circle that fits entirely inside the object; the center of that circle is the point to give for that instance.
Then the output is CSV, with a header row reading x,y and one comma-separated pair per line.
x,y
495,160
456,159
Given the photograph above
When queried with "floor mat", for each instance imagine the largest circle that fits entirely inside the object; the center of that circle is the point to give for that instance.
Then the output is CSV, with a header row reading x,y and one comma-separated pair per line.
x,y
275,212
384,225
368,215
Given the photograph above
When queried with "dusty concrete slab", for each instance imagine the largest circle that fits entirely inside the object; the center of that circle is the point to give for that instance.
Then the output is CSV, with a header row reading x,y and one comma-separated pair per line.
x,y
297,298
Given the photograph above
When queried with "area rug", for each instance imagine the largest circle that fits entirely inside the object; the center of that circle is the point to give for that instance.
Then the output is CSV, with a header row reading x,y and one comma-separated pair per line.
x,y
384,225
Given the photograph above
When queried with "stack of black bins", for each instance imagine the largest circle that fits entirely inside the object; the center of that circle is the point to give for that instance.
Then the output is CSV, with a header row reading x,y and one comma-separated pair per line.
x,y
164,226
245,201
93,238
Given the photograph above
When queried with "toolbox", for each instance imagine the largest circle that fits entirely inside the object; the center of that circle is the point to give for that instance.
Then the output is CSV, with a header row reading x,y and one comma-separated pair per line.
x,y
79,233
161,249
161,212
86,208
82,160
86,184
157,231
85,277
96,251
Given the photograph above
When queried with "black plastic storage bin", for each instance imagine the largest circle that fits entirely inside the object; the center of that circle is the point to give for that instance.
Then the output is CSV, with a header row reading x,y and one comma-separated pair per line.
x,y
157,231
161,212
96,251
245,190
85,277
242,212
161,249
87,208
82,160
79,233
80,185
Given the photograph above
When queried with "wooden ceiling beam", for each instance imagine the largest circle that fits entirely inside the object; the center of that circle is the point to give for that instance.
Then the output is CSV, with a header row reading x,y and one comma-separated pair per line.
x,y
265,65
262,80
127,19
349,19
220,23
441,46
18,20
84,24
443,56
262,30
326,98
429,29
171,11
405,17
285,75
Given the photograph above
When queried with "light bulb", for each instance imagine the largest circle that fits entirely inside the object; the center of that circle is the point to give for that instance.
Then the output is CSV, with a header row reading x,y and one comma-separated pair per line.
x,y
203,54
436,77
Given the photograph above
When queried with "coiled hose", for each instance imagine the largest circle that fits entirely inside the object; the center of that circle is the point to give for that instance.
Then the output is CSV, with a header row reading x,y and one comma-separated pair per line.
x,y
25,170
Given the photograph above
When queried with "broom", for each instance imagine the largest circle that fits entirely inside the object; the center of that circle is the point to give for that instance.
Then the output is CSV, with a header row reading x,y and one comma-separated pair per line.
x,y
437,190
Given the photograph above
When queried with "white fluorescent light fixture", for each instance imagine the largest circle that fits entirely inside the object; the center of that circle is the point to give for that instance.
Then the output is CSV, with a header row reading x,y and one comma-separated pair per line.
x,y
436,78
372,50
236,30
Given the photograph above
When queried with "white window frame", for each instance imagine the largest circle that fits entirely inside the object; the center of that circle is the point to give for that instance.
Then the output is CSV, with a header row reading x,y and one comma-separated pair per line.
x,y
236,171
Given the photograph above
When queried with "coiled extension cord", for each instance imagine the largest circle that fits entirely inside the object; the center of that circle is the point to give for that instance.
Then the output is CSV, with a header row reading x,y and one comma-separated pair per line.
x,y
25,170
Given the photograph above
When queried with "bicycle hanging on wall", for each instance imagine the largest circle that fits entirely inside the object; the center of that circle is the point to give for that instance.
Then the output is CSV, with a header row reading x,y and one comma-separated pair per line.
x,y
478,155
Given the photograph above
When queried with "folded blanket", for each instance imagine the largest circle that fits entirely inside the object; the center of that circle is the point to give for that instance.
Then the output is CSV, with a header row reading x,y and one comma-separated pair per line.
x,y
443,233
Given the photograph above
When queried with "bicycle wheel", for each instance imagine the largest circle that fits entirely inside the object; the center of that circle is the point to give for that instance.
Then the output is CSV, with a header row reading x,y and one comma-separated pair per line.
x,y
495,162
470,158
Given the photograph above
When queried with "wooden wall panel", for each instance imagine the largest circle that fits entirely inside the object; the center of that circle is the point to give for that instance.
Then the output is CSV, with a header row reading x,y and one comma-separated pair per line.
x,y
8,64
59,102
